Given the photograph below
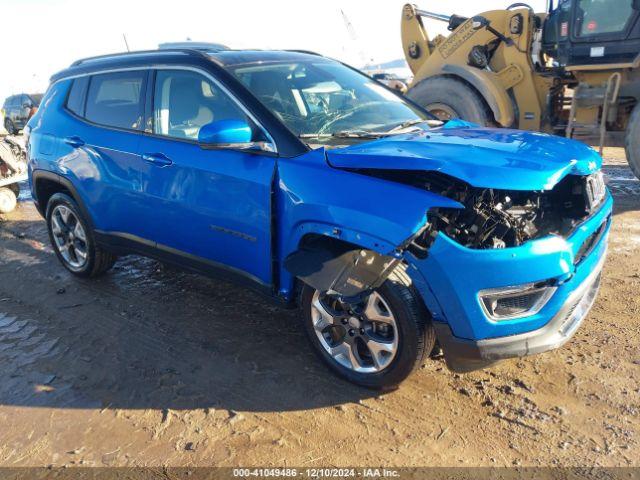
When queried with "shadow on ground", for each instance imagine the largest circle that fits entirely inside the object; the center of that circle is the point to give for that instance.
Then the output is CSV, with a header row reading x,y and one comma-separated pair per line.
x,y
147,336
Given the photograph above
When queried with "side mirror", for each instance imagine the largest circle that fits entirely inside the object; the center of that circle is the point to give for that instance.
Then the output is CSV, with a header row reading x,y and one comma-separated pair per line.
x,y
26,105
224,132
231,134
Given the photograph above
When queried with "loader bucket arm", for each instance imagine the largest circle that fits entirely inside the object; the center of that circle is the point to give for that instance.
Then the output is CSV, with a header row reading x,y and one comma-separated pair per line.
x,y
415,39
416,44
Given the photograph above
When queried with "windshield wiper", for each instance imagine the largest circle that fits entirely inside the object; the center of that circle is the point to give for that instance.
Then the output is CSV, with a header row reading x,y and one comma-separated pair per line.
x,y
356,134
414,122
343,134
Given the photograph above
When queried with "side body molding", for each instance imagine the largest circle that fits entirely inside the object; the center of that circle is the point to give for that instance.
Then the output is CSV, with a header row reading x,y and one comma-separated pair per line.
x,y
313,199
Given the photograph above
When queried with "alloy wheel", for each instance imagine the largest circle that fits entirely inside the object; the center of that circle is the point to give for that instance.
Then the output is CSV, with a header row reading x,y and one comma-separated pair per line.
x,y
69,236
362,338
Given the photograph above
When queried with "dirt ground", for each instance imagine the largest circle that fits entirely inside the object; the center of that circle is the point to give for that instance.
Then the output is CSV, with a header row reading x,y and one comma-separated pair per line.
x,y
151,366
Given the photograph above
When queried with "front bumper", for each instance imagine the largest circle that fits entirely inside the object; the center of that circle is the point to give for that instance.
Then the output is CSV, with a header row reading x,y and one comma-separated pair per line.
x,y
451,276
466,355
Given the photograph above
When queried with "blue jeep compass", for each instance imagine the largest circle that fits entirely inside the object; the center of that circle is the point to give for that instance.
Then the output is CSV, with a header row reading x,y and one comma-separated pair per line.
x,y
323,188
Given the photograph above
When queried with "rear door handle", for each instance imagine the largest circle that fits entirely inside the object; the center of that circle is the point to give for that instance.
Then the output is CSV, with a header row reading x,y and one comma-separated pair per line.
x,y
159,159
74,141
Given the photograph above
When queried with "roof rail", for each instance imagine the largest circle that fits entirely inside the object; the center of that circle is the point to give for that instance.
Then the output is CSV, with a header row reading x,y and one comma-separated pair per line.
x,y
204,46
164,51
310,52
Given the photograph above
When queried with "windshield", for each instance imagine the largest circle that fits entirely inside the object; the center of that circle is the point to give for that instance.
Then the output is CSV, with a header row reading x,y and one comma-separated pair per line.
x,y
322,98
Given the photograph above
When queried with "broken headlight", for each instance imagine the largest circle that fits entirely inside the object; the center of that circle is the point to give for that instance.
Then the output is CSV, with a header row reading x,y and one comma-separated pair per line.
x,y
508,303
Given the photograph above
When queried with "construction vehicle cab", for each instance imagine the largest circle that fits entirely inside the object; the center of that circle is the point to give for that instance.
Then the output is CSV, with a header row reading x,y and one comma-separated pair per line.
x,y
572,70
593,32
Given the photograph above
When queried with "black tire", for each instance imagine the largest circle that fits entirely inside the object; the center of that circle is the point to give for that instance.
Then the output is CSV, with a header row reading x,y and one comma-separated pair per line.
x,y
632,141
453,97
415,331
8,200
10,127
98,260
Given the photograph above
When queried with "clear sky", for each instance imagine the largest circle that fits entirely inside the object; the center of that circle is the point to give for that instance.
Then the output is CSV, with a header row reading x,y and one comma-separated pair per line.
x,y
41,37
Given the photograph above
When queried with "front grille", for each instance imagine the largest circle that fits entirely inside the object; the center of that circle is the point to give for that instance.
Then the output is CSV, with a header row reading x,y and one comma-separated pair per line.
x,y
590,242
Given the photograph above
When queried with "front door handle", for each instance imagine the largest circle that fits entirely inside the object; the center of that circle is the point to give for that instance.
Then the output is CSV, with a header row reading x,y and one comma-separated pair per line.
x,y
74,141
159,159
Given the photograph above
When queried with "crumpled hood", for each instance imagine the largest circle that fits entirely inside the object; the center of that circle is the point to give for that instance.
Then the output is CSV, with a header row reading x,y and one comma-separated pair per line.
x,y
483,157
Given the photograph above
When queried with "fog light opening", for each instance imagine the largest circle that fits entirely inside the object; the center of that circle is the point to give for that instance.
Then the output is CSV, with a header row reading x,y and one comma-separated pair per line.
x,y
512,302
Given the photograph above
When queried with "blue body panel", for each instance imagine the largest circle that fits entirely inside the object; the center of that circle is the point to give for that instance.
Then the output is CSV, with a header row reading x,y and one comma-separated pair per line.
x,y
249,211
450,278
482,157
214,204
313,198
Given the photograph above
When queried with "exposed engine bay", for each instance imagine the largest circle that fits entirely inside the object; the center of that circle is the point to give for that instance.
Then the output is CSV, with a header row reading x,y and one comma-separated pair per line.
x,y
500,218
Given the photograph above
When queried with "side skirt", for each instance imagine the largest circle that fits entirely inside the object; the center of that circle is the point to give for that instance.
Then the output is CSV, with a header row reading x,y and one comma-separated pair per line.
x,y
122,243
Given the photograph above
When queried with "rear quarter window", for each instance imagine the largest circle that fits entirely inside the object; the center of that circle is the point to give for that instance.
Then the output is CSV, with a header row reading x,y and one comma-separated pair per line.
x,y
116,99
77,92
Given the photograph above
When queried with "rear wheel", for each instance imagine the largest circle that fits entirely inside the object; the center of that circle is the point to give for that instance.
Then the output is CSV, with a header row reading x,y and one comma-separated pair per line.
x,y
376,343
72,239
8,200
448,98
632,141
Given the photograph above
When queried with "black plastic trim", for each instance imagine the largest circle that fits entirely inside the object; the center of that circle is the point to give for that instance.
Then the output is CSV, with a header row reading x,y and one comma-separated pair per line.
x,y
123,243
39,175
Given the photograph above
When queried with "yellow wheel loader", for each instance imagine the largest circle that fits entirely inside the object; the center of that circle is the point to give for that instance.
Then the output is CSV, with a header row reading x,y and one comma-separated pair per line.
x,y
572,70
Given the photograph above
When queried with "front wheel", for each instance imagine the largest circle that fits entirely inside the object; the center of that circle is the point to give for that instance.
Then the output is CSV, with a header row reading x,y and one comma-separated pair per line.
x,y
376,343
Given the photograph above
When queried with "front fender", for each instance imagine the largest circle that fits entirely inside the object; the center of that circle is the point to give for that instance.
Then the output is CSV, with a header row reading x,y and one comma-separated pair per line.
x,y
313,198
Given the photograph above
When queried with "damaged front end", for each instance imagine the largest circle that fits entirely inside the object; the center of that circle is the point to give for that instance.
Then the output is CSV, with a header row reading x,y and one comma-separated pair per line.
x,y
494,218
481,219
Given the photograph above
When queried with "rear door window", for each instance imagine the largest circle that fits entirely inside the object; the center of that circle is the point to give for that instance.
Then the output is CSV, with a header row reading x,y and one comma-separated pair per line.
x,y
116,99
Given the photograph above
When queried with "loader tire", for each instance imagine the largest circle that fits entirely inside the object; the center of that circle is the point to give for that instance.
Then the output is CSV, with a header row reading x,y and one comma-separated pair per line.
x,y
448,98
632,141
